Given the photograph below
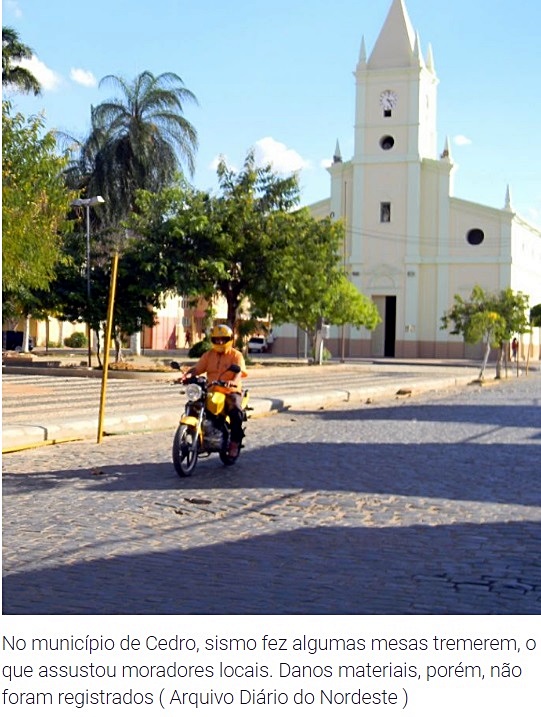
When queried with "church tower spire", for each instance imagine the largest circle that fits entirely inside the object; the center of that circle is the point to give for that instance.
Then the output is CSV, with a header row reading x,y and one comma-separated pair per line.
x,y
508,205
396,95
362,54
395,44
337,156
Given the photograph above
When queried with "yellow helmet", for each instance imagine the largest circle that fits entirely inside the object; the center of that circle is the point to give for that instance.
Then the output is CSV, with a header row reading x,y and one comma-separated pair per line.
x,y
221,338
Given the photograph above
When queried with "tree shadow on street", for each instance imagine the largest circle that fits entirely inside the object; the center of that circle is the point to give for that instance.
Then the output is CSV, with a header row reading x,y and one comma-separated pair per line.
x,y
499,473
451,569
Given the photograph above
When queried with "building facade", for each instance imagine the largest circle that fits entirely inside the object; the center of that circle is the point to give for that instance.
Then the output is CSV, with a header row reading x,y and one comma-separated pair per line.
x,y
411,245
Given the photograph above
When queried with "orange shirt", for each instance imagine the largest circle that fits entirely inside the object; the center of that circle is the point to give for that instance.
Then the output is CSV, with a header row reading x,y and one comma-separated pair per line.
x,y
215,365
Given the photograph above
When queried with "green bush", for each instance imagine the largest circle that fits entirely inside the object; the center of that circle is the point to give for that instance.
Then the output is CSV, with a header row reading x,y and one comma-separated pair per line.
x,y
76,341
327,355
199,348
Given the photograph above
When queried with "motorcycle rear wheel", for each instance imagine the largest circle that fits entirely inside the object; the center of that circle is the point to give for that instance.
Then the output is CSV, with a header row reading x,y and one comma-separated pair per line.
x,y
227,460
185,451
225,457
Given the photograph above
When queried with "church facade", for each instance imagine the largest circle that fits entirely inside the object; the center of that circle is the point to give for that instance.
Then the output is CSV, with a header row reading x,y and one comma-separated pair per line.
x,y
411,245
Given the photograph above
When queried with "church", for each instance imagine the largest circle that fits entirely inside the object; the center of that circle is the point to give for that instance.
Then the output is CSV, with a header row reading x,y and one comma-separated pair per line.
x,y
411,245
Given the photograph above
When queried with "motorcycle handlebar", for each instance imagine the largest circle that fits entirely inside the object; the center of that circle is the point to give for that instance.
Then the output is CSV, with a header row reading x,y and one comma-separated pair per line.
x,y
197,379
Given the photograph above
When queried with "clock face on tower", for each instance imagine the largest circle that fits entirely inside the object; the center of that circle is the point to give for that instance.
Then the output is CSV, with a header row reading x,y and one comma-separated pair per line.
x,y
388,99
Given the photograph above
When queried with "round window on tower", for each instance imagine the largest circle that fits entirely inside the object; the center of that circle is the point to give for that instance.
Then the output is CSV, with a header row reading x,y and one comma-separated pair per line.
x,y
475,237
386,142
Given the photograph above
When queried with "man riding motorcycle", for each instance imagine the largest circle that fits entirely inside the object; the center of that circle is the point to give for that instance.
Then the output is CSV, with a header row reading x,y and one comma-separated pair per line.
x,y
215,363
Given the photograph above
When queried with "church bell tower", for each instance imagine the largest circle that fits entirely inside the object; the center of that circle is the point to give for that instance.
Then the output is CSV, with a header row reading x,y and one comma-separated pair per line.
x,y
379,192
395,114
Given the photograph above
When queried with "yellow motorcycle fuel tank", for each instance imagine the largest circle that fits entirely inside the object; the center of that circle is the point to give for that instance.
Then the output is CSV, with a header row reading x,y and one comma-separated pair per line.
x,y
215,402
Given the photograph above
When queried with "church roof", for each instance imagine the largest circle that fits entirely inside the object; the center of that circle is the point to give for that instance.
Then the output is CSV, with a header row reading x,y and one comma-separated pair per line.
x,y
395,44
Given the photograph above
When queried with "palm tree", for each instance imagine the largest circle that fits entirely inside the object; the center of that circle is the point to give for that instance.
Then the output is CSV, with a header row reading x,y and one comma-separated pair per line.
x,y
139,140
13,51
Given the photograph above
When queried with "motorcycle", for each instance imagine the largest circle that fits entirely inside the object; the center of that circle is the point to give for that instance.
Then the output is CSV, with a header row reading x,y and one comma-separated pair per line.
x,y
204,428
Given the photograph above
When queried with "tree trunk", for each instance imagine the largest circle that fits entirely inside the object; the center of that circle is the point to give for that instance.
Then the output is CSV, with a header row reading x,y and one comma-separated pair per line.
x,y
118,347
98,349
233,302
47,334
485,361
529,351
26,337
232,306
499,362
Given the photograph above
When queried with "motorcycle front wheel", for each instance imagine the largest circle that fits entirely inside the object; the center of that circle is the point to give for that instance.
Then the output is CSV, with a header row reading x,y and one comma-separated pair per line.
x,y
185,450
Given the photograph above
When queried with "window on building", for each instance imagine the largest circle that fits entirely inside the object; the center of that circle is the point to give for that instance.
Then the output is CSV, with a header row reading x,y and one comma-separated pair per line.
x,y
385,212
387,113
475,237
386,142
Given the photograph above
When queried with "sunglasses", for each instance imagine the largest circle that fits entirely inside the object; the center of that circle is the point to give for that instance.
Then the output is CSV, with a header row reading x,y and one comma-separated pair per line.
x,y
220,339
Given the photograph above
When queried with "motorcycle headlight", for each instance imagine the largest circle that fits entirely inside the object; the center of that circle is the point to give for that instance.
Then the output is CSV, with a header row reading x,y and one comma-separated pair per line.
x,y
193,392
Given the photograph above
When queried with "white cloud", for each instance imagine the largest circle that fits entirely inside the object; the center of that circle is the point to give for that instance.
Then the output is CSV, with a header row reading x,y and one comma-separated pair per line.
x,y
282,159
13,7
222,158
48,79
326,163
269,151
460,140
83,77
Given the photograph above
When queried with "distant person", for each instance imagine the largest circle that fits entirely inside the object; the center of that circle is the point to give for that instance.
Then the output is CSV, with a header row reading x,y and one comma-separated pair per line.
x,y
270,340
188,339
514,348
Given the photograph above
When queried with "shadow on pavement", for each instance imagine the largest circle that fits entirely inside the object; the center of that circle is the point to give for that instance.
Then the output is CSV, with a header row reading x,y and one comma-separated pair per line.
x,y
451,569
428,470
519,416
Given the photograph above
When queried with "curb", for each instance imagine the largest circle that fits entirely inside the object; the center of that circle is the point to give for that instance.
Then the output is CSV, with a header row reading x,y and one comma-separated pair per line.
x,y
17,437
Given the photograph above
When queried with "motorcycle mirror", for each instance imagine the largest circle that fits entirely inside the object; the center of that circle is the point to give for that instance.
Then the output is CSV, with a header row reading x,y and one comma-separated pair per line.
x,y
175,365
234,368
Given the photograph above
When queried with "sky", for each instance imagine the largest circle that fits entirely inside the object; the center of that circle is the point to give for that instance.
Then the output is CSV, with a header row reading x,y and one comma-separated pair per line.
x,y
277,76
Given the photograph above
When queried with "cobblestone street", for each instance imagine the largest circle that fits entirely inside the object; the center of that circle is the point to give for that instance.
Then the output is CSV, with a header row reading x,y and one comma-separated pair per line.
x,y
426,504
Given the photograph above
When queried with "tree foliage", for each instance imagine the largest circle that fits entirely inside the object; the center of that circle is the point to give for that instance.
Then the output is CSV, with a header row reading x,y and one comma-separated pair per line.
x,y
139,139
35,202
492,318
140,287
251,245
346,305
535,315
15,76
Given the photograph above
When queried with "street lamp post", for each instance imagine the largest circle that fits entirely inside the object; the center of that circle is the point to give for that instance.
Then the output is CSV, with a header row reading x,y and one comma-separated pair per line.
x,y
87,203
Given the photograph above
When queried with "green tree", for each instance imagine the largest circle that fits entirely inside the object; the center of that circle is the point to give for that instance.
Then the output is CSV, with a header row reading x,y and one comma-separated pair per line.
x,y
13,52
312,285
250,227
489,317
535,321
535,315
250,245
139,139
35,202
231,244
347,305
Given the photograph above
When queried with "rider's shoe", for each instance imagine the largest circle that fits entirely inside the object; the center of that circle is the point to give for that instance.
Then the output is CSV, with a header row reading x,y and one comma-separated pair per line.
x,y
233,451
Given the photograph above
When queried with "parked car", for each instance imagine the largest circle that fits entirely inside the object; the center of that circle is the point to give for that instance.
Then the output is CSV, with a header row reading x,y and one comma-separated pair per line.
x,y
257,345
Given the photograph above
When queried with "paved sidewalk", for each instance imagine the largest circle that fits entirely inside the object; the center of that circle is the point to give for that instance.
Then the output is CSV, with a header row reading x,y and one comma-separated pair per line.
x,y
273,389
